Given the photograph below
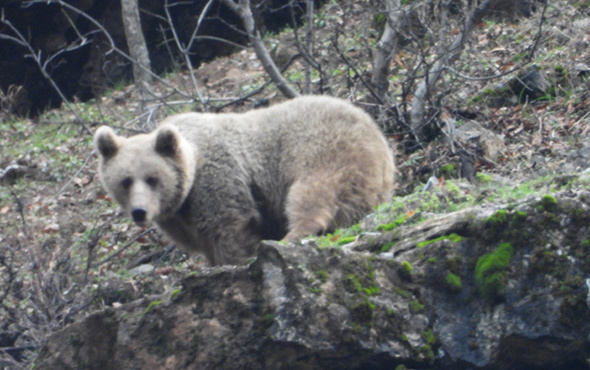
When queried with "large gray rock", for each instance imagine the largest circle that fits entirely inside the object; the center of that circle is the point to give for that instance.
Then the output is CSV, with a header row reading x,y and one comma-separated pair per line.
x,y
305,307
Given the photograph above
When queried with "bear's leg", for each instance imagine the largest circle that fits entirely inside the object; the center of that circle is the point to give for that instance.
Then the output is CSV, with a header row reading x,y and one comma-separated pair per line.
x,y
234,238
310,209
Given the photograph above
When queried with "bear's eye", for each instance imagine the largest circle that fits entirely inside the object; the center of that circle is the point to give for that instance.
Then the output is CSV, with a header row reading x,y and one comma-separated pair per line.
x,y
152,181
126,183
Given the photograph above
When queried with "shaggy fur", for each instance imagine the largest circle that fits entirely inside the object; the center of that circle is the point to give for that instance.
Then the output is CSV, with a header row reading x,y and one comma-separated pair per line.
x,y
220,183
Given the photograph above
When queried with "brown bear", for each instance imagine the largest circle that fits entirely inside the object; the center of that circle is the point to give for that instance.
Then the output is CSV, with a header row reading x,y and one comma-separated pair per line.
x,y
221,183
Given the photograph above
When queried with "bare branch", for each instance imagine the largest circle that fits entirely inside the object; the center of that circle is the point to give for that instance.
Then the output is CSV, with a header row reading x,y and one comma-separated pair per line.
x,y
306,50
111,42
186,50
243,10
130,243
36,56
258,90
447,57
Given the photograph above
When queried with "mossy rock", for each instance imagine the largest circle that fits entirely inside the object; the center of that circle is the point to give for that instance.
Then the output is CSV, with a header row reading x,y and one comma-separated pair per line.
x,y
490,273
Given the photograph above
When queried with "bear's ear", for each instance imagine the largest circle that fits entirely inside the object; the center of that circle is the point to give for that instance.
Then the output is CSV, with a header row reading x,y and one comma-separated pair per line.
x,y
167,141
105,141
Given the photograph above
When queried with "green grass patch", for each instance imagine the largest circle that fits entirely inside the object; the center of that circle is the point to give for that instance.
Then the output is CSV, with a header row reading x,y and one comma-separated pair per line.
x,y
392,225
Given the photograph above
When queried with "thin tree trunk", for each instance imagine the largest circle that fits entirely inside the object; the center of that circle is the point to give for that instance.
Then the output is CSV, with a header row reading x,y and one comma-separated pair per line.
x,y
138,51
309,44
386,49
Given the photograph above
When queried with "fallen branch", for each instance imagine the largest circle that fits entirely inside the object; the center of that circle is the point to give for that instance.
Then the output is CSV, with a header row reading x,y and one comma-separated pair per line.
x,y
130,243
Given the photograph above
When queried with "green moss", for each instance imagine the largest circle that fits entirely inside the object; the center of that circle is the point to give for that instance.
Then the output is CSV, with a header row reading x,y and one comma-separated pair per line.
x,y
405,270
401,367
355,282
579,215
499,217
453,282
453,237
345,240
518,219
571,285
175,293
476,99
431,260
549,203
490,93
560,69
363,307
372,290
387,247
427,351
416,306
490,273
322,275
339,237
403,293
151,306
429,337
495,226
392,225
356,327
550,263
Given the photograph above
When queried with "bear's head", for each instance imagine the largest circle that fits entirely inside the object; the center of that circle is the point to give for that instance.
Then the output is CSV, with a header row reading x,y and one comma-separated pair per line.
x,y
149,175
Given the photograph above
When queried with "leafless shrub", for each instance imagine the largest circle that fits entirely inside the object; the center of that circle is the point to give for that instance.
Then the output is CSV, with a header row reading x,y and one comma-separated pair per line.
x,y
14,101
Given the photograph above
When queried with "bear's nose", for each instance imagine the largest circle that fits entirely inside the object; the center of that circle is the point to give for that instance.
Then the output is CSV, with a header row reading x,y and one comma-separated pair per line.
x,y
138,215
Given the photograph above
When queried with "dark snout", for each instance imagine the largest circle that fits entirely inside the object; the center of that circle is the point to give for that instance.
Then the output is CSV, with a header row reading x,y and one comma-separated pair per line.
x,y
138,215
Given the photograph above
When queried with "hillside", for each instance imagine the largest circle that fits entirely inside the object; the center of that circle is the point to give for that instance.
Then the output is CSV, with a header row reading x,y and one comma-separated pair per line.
x,y
501,169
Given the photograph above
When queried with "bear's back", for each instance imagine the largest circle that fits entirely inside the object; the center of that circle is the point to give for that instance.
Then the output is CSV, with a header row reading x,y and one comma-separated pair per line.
x,y
304,135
